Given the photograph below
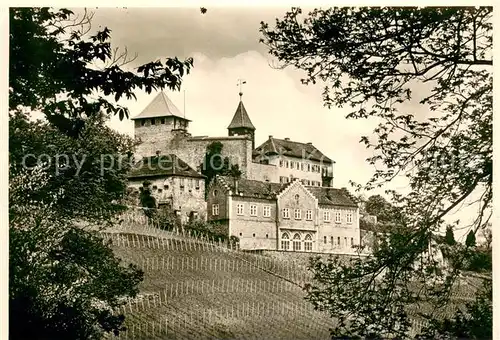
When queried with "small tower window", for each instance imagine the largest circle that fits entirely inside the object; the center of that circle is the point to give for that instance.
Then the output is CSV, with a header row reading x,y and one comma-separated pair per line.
x,y
153,121
143,121
163,120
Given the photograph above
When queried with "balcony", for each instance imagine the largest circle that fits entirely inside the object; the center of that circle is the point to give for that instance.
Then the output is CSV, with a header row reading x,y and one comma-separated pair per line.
x,y
327,172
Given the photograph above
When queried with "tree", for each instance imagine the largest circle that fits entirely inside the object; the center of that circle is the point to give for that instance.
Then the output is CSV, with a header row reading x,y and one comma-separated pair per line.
x,y
470,241
214,164
68,171
449,237
372,59
147,200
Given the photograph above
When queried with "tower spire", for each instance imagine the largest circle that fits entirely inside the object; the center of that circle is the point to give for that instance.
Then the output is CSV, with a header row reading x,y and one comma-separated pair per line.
x,y
240,84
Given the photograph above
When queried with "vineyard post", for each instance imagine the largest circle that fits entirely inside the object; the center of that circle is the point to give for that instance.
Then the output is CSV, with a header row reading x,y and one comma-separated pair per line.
x,y
213,285
176,288
163,243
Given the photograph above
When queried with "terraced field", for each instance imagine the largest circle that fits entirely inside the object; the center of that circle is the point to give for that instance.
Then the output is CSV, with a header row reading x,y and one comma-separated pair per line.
x,y
197,289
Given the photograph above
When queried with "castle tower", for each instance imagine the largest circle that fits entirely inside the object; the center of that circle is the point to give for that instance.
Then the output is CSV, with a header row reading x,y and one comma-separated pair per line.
x,y
241,124
158,124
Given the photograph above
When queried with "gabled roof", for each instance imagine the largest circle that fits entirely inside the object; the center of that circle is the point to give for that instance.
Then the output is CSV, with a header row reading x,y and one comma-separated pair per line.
x,y
332,197
252,188
267,190
164,165
291,149
160,106
241,119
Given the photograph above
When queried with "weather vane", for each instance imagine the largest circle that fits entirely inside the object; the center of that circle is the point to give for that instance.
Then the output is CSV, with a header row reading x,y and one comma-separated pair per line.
x,y
240,84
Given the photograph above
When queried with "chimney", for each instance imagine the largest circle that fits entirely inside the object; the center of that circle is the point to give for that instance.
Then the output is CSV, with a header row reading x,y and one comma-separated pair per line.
x,y
235,185
286,138
270,136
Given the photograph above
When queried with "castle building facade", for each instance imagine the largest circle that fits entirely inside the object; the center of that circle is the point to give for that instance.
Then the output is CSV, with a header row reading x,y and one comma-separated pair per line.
x,y
173,184
285,216
284,199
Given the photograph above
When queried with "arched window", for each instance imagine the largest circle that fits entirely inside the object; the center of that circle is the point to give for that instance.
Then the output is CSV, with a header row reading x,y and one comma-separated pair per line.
x,y
297,244
308,246
285,241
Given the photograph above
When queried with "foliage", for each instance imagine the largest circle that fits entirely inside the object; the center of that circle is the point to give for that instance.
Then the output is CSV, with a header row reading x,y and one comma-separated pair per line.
x,y
212,230
214,164
470,241
147,200
449,237
63,289
474,323
479,260
68,171
54,69
166,219
384,63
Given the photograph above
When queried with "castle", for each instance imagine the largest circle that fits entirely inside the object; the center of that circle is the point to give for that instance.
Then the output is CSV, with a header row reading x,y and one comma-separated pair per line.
x,y
283,200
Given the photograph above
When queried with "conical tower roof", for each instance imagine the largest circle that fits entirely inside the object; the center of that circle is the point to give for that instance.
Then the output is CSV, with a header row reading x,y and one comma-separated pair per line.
x,y
160,106
241,119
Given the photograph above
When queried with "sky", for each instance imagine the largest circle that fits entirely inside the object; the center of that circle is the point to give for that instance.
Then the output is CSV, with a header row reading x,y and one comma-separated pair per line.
x,y
225,46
